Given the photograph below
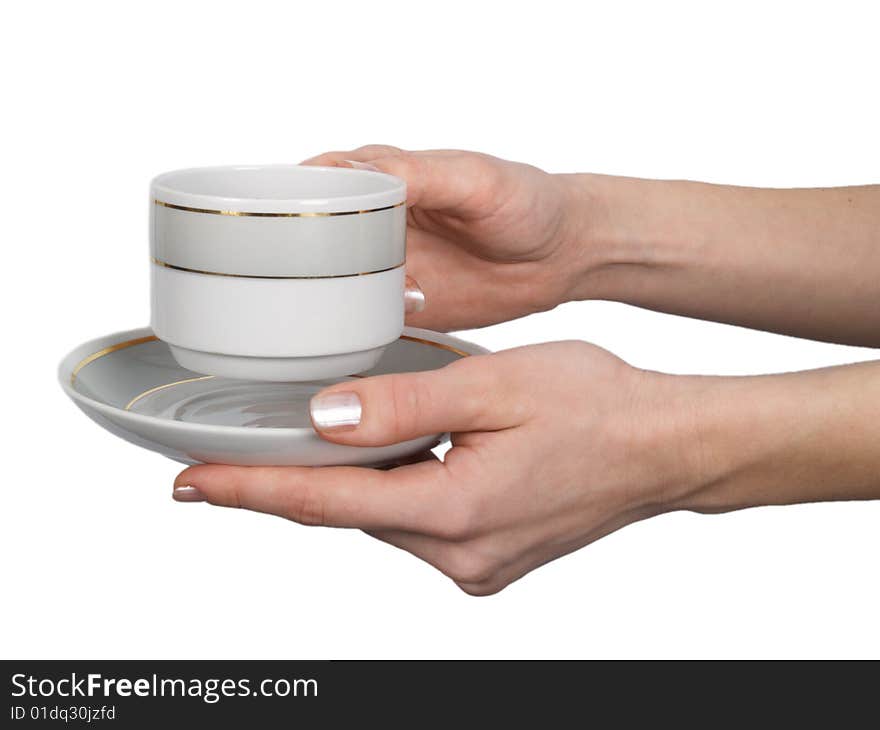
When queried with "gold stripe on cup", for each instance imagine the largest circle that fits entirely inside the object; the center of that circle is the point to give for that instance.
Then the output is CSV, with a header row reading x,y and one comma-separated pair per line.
x,y
166,265
243,214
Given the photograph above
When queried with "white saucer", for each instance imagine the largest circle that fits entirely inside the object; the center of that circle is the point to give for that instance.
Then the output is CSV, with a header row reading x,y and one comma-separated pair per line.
x,y
130,384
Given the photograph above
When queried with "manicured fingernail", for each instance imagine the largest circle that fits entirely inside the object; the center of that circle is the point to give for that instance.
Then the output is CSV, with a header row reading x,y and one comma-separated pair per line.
x,y
339,411
362,165
186,493
413,296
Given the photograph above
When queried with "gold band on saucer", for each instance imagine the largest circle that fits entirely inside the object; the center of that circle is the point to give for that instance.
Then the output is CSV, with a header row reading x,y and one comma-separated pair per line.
x,y
162,387
440,345
152,338
165,264
106,351
241,213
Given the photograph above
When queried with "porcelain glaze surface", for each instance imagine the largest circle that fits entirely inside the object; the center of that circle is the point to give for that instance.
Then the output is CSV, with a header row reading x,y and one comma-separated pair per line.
x,y
276,272
130,384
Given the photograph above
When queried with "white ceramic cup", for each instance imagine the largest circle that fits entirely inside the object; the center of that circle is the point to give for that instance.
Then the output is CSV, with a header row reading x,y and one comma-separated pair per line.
x,y
277,272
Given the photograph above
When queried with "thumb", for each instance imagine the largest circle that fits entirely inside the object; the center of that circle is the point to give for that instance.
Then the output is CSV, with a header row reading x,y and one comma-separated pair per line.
x,y
467,395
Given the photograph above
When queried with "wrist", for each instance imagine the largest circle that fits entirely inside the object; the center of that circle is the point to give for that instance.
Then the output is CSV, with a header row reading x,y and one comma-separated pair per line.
x,y
713,444
703,440
743,440
672,424
621,235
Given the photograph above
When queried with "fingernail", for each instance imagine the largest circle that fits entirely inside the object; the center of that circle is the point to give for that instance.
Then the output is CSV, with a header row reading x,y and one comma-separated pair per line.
x,y
339,411
413,296
362,165
187,493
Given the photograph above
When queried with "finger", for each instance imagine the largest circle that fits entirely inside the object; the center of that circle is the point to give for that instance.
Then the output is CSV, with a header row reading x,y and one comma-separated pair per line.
x,y
445,180
448,180
457,285
361,154
409,497
413,297
472,394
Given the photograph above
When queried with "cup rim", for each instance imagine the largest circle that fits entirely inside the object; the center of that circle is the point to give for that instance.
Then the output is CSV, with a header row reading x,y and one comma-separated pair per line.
x,y
360,191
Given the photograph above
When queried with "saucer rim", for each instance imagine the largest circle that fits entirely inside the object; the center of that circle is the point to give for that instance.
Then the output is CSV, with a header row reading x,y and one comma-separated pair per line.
x,y
69,362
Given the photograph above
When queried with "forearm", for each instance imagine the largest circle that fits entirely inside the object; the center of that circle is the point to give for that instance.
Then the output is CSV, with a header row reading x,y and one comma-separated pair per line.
x,y
781,439
802,261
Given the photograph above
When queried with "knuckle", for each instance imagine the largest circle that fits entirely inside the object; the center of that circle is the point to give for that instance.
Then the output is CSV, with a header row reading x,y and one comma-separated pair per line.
x,y
306,506
331,157
403,167
483,381
230,496
238,489
379,150
466,565
480,590
407,165
408,398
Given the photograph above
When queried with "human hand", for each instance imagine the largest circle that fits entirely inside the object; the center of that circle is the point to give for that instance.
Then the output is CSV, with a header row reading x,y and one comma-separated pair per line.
x,y
487,240
491,240
554,446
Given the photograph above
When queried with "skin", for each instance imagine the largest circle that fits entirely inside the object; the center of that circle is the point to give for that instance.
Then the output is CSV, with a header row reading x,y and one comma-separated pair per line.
x,y
543,466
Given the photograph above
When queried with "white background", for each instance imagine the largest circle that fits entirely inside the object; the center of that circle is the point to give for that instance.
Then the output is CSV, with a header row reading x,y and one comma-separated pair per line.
x,y
95,558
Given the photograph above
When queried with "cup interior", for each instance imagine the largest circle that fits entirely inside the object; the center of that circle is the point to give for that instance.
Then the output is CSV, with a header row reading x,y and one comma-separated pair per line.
x,y
287,185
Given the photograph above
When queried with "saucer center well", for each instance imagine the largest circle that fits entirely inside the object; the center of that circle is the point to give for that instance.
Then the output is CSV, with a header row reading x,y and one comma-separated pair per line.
x,y
226,402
